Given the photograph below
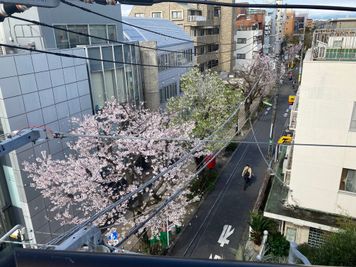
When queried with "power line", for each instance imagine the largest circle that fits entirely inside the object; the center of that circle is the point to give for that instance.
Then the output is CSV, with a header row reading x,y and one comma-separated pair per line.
x,y
173,196
93,36
70,135
89,58
133,25
154,178
122,42
165,203
101,60
263,6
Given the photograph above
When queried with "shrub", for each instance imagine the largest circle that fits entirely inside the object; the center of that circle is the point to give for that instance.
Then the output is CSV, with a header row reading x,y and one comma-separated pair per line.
x,y
259,223
231,147
278,245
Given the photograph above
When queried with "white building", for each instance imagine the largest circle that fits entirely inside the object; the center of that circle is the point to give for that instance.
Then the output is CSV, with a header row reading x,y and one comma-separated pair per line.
x,y
248,44
19,32
280,21
268,32
321,181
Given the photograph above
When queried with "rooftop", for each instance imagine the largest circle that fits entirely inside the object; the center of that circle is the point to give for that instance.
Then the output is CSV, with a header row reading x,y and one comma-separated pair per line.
x,y
334,44
275,205
161,25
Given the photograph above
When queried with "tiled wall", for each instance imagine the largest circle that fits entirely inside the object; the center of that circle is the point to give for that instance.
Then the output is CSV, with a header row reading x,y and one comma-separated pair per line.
x,y
38,89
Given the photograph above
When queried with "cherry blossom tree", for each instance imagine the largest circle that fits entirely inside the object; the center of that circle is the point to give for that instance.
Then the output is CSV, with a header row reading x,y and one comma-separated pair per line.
x,y
98,171
206,102
256,79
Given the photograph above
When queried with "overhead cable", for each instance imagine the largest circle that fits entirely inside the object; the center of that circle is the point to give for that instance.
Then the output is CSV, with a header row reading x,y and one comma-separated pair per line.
x,y
128,196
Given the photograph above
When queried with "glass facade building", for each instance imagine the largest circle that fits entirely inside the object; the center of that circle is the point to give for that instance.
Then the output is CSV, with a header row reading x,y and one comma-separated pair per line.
x,y
118,79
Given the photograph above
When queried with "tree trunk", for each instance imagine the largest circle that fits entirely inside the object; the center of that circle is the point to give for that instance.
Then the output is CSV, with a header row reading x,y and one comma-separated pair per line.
x,y
247,108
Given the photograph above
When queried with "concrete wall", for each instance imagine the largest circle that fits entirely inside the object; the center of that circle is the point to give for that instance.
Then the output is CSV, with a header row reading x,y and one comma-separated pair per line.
x,y
327,96
227,31
62,14
39,89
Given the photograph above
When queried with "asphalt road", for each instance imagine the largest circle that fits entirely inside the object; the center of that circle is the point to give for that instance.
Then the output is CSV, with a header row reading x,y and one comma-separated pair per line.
x,y
219,225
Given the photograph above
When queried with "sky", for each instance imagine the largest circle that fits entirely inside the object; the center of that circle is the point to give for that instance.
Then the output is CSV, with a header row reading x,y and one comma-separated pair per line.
x,y
318,14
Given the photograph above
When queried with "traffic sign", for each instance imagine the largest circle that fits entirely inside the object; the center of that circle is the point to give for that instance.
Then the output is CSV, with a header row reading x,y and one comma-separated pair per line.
x,y
113,237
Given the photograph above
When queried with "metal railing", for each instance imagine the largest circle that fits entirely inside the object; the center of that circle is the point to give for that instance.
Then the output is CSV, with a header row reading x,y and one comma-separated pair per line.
x,y
295,254
194,18
334,45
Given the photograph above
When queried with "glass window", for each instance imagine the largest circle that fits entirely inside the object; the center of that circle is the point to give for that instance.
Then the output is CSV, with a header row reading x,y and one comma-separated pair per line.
x,y
217,11
109,84
118,55
291,234
120,90
112,32
100,31
177,14
97,87
139,15
241,56
76,39
157,15
108,55
12,186
353,119
62,39
127,53
348,180
95,65
241,41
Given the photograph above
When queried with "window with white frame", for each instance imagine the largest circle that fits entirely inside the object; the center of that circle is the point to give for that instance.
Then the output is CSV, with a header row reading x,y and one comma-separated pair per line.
x,y
241,40
139,15
240,56
157,15
348,180
353,119
177,14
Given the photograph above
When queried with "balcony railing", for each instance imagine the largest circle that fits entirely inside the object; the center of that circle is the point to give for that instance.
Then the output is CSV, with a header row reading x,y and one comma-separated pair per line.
x,y
194,18
293,120
334,44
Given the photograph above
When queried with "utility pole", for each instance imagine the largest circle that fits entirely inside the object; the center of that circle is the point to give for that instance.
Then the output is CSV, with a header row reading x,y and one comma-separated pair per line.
x,y
301,54
274,108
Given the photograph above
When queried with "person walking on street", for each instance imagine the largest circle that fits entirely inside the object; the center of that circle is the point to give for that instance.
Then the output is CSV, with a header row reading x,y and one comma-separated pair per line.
x,y
247,175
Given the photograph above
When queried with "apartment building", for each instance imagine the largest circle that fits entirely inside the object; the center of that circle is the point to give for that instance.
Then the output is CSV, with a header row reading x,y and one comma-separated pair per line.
x,y
166,78
289,23
250,26
318,186
268,33
210,27
342,23
279,28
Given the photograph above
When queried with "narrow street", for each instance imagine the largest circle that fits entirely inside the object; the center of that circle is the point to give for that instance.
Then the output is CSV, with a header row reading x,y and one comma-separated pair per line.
x,y
220,224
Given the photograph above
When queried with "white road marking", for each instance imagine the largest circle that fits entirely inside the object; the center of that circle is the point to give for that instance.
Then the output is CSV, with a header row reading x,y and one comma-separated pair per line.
x,y
216,257
226,232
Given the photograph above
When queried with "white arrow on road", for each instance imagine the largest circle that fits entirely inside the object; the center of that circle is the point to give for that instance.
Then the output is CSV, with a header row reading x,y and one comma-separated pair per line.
x,y
226,232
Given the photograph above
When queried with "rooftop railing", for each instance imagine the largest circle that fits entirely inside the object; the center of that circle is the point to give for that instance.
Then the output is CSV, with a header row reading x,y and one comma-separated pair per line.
x,y
334,45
